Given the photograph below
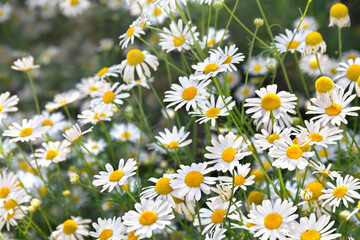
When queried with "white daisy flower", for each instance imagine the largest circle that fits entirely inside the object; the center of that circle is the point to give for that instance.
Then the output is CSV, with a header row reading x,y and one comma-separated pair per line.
x,y
100,112
110,179
232,57
155,13
62,99
105,44
224,192
310,65
178,37
339,16
309,23
75,133
351,54
240,178
272,221
109,229
325,171
348,74
161,191
24,64
16,200
356,210
125,132
170,4
8,185
29,130
257,66
140,82
333,108
109,95
95,146
52,152
149,216
213,37
266,139
186,208
5,10
73,228
243,92
7,104
190,181
175,139
330,67
231,79
314,43
211,67
89,85
55,121
226,152
139,61
211,110
11,219
73,8
106,72
283,42
188,93
133,31
343,191
216,234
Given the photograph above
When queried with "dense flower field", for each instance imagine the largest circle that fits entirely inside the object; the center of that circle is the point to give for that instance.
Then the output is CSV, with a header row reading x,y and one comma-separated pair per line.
x,y
188,119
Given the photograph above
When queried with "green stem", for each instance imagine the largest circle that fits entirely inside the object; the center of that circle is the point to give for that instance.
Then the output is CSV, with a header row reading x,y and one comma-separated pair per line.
x,y
109,141
33,92
340,43
318,62
301,75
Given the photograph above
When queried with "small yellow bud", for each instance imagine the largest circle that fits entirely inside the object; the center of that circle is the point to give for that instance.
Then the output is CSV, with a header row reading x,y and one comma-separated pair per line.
x,y
259,22
66,193
74,178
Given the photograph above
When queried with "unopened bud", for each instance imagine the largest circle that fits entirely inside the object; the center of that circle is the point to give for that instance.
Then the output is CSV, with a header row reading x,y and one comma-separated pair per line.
x,y
74,178
66,193
258,22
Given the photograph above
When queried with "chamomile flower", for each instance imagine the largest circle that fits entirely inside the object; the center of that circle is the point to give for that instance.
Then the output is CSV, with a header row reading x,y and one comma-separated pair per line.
x,y
310,65
213,37
211,110
109,95
351,54
5,10
186,208
266,139
100,112
125,132
333,108
55,121
62,99
138,60
325,171
178,37
240,177
309,23
189,92
170,4
339,16
314,43
105,44
324,85
174,139
149,216
348,75
8,185
226,152
211,67
161,191
106,72
95,146
109,229
75,133
271,104
344,191
72,228
310,228
290,42
109,179
89,85
133,31
155,13
231,79
16,199
224,192
243,92
24,64
232,57
73,8
52,152
29,130
139,82
7,104
330,68
190,181
11,219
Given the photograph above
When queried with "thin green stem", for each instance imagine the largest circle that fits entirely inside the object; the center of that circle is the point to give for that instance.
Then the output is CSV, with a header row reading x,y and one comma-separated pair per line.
x,y
33,92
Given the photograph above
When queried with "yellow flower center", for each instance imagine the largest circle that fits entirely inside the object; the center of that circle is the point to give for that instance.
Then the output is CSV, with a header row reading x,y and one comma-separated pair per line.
x,y
157,11
193,179
257,67
1,107
4,191
310,234
270,102
105,234
135,57
178,200
47,122
239,180
51,154
108,97
74,2
353,72
255,197
115,176
324,84
271,138
102,71
1,13
178,41
245,92
315,137
148,218
324,153
173,144
218,216
314,64
93,88
189,93
333,71
267,165
126,135
305,26
313,39
352,56
228,154
9,216
132,236
292,45
259,175
26,132
69,227
334,109
228,60
97,116
315,187
210,42
163,187
229,79
211,67
63,102
339,10
10,204
294,152
339,192
130,31
42,191
212,112
273,221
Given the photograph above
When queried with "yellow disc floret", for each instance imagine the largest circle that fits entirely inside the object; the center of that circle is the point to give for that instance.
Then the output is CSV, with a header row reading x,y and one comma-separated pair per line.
x,y
339,192
315,187
339,10
69,227
255,197
313,39
211,67
178,41
271,138
148,218
218,216
193,179
212,112
108,97
26,132
189,93
228,154
115,176
310,234
324,84
163,187
353,72
273,221
51,154
294,152
270,102
135,57
334,109
105,234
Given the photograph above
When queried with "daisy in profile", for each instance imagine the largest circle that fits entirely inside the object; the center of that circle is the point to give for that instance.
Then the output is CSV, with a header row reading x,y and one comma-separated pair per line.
x,y
314,44
344,191
109,229
109,95
190,181
175,139
310,228
333,108
125,132
161,191
73,228
241,178
226,152
232,56
133,31
90,84
140,61
7,104
309,23
178,37
75,133
29,130
149,216
73,8
189,92
290,42
52,152
266,139
100,112
216,234
24,64
211,110
243,92
271,221
348,74
339,16
109,179
62,99
271,104
211,67
213,37
106,72
310,65
5,10
95,146
257,66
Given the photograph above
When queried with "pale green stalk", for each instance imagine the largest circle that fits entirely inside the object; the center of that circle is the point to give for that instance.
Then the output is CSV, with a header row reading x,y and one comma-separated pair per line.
x,y
33,92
